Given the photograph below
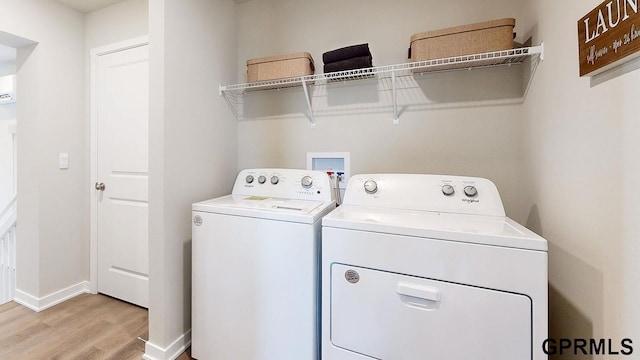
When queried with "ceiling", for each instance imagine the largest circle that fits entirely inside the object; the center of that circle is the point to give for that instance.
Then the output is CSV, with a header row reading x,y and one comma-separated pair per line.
x,y
87,6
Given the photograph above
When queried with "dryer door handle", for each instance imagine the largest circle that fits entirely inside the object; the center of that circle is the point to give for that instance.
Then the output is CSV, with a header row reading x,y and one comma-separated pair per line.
x,y
415,295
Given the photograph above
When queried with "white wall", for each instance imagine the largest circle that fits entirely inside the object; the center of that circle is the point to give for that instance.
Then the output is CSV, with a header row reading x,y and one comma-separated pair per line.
x,y
122,21
7,122
624,271
52,202
442,134
581,146
193,146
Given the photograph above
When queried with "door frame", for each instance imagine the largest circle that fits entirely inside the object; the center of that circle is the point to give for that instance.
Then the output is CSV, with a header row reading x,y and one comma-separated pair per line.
x,y
95,53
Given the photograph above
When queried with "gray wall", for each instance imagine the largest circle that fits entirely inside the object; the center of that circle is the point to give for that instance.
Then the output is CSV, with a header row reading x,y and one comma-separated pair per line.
x,y
583,177
52,202
193,142
53,229
131,17
452,124
564,161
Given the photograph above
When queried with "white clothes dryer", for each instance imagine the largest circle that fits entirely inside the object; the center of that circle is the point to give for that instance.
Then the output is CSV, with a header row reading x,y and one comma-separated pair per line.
x,y
421,267
255,267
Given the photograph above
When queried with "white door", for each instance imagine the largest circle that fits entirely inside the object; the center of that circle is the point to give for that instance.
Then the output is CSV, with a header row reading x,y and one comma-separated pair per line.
x,y
122,132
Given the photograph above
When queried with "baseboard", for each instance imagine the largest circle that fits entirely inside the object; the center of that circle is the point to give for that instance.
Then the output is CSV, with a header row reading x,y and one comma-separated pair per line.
x,y
154,352
39,304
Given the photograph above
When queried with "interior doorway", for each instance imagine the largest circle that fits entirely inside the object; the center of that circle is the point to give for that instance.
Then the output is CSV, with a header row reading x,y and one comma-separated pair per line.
x,y
119,163
8,173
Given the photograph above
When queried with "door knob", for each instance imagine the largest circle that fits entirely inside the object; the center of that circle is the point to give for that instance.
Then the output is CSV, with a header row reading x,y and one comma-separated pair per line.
x,y
100,186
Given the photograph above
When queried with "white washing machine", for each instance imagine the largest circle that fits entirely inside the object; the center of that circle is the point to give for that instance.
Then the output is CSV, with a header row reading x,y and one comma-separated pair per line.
x,y
255,268
421,267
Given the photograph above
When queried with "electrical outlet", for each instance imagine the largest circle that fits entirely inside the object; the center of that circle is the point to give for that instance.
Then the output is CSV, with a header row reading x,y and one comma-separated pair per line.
x,y
63,161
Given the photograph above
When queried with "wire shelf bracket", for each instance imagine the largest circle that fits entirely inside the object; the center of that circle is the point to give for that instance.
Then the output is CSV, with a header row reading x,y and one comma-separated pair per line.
x,y
308,98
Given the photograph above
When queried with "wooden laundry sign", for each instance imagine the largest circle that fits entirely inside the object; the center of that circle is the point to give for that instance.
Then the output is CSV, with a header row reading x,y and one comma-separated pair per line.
x,y
608,36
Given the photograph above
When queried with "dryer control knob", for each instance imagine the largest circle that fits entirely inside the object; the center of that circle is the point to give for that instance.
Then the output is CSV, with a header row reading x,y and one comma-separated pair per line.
x,y
249,179
370,187
448,190
470,191
306,181
262,179
274,179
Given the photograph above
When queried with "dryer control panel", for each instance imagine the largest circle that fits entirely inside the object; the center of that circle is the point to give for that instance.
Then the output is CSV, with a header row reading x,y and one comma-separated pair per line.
x,y
440,193
284,183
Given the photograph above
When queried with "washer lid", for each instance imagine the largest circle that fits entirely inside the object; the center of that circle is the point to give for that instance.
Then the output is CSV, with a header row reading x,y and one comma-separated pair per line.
x,y
478,229
264,207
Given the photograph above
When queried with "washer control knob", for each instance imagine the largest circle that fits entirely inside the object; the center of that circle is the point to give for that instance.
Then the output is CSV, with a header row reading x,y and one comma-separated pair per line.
x,y
274,179
470,191
370,187
306,181
448,190
249,179
262,179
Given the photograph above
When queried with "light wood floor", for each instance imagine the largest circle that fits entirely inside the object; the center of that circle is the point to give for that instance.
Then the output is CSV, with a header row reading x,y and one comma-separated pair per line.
x,y
85,327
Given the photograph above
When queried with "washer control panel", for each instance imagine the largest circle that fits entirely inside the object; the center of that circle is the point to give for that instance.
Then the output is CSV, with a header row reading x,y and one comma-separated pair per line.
x,y
306,181
284,183
448,190
370,186
441,193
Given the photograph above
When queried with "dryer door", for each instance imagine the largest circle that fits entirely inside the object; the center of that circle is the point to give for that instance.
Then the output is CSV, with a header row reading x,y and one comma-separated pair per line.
x,y
385,315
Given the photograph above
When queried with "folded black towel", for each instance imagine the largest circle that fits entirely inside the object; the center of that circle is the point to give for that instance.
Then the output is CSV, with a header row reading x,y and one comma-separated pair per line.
x,y
346,53
349,64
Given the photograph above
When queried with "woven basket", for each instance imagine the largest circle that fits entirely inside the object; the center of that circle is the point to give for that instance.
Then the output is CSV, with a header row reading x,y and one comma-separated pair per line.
x,y
280,67
468,39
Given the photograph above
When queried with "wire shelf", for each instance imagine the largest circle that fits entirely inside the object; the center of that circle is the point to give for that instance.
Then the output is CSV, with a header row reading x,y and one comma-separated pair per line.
x,y
455,63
